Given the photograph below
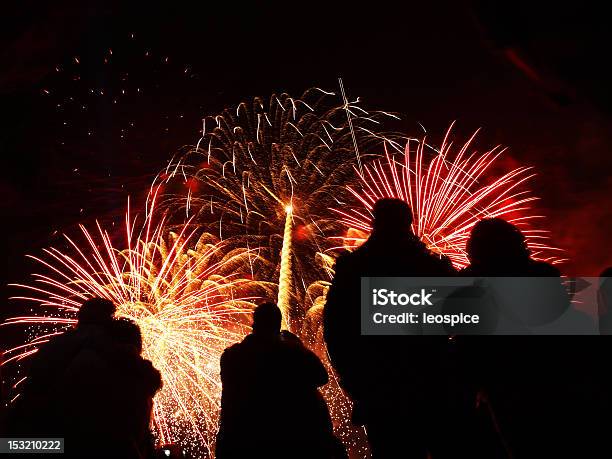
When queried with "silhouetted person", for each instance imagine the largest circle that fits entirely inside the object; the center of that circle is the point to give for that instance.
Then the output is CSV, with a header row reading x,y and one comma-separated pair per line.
x,y
107,393
314,412
268,380
399,384
498,248
535,384
529,294
38,412
91,387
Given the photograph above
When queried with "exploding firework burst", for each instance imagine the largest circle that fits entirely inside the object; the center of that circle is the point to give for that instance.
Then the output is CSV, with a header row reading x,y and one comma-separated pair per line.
x,y
189,294
449,191
270,172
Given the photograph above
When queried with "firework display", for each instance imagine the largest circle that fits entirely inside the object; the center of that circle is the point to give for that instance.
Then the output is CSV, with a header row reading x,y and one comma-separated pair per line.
x,y
189,293
257,229
449,190
268,175
270,172
255,211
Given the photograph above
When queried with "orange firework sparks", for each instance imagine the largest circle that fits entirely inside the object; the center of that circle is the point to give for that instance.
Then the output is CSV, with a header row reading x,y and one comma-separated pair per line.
x,y
449,192
189,293
255,162
268,173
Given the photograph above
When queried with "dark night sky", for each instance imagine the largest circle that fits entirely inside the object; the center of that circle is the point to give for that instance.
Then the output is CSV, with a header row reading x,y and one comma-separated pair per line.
x,y
535,80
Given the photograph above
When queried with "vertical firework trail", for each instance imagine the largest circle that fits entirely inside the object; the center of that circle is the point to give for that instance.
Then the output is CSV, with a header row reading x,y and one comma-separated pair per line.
x,y
285,276
273,175
253,161
268,173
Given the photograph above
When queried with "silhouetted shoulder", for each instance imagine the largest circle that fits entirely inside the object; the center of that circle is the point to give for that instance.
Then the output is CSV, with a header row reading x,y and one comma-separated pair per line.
x,y
308,367
230,353
60,347
446,265
151,377
347,265
345,259
232,349
231,358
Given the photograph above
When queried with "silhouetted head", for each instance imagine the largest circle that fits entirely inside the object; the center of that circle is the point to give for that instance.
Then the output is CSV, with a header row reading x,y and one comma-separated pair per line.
x,y
125,332
267,319
96,311
391,216
494,240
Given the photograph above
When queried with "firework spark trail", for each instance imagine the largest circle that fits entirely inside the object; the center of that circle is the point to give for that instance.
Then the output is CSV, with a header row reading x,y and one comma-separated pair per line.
x,y
253,162
188,294
284,279
267,174
448,193
256,160
350,123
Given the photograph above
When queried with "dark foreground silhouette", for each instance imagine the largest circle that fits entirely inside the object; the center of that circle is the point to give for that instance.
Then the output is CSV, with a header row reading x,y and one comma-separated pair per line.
x,y
418,396
91,386
545,391
468,396
270,406
402,386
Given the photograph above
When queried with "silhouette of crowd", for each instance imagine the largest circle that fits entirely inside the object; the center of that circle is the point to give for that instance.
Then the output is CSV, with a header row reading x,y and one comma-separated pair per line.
x,y
270,403
429,396
468,396
91,387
